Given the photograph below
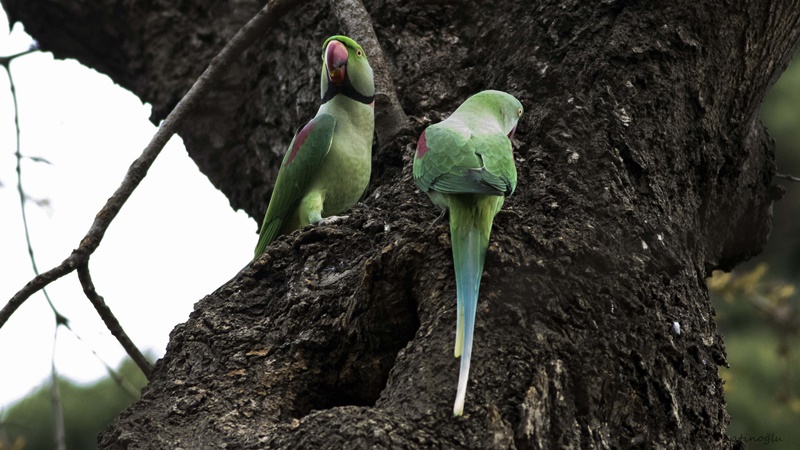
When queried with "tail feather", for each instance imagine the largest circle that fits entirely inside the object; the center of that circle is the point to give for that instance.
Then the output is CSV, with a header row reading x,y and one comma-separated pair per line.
x,y
269,231
469,230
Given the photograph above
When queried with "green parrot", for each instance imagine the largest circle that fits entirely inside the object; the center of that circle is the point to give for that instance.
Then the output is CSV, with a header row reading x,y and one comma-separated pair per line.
x,y
466,166
327,166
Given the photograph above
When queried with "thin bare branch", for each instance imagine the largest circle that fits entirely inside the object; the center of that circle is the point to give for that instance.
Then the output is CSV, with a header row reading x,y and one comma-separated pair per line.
x,y
60,319
111,322
787,177
354,19
38,159
121,381
55,398
4,60
257,26
36,284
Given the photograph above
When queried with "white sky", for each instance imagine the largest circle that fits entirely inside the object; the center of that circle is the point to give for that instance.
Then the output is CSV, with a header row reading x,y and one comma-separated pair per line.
x,y
174,241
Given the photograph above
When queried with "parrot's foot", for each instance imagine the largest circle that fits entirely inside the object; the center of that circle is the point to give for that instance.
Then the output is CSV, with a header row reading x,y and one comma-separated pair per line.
x,y
331,220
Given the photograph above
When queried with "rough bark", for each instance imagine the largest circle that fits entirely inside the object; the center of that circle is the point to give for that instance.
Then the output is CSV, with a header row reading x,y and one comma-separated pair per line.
x,y
642,167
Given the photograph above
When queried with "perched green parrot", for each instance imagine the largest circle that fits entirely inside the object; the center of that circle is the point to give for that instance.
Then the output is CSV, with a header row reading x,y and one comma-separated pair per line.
x,y
327,166
466,166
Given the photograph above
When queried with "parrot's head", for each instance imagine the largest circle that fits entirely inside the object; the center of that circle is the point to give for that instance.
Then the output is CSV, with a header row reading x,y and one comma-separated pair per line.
x,y
513,112
504,107
508,106
345,69
510,111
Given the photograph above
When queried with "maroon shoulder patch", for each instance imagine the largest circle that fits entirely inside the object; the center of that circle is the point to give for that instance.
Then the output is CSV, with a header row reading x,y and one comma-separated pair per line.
x,y
299,140
422,145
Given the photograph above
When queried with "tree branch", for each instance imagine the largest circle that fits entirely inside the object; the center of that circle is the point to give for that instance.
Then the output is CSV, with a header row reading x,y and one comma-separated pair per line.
x,y
6,63
787,177
111,322
4,60
354,19
257,26
121,381
60,436
55,394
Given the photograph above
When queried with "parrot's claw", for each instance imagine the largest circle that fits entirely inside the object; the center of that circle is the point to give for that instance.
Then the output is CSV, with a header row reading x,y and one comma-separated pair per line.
x,y
331,220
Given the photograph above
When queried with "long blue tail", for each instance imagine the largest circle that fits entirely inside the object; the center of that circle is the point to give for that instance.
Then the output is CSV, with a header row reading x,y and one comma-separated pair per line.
x,y
470,238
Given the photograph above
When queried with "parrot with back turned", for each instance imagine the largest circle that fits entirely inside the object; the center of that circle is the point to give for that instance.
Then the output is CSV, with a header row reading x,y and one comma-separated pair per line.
x,y
466,166
327,166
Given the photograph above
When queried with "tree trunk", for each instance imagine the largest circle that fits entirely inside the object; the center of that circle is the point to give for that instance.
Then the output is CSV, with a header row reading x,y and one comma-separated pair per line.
x,y
642,167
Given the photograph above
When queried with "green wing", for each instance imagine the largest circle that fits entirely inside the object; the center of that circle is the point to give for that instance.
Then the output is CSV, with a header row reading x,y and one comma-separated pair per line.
x,y
450,159
497,154
304,156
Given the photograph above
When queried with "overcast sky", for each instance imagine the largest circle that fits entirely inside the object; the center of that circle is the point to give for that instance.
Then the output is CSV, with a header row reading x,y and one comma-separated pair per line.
x,y
175,240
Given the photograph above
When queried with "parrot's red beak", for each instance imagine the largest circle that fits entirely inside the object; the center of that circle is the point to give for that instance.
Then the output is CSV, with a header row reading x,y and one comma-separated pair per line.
x,y
511,134
336,61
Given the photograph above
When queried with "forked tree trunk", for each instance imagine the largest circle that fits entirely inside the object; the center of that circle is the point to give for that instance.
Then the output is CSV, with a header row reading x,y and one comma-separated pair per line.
x,y
642,167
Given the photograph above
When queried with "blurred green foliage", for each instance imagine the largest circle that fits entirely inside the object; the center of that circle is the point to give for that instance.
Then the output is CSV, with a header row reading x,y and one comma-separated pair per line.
x,y
781,115
29,423
760,320
758,310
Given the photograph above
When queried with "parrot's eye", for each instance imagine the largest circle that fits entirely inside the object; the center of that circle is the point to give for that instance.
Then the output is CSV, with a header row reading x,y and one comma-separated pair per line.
x,y
519,112
359,53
